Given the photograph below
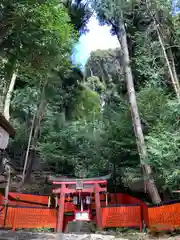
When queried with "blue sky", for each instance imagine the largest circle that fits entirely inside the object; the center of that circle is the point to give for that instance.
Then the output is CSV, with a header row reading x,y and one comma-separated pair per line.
x,y
175,7
98,37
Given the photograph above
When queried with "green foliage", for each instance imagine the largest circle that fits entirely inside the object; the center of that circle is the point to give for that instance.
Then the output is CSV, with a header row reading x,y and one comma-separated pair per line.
x,y
80,13
95,84
38,38
161,117
87,104
86,127
164,156
147,62
152,102
71,146
38,43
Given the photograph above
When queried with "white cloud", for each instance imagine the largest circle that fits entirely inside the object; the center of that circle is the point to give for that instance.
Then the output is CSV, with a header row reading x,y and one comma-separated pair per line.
x,y
98,37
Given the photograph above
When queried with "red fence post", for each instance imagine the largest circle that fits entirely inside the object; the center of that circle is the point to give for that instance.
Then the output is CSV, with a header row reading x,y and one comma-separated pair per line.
x,y
141,218
14,220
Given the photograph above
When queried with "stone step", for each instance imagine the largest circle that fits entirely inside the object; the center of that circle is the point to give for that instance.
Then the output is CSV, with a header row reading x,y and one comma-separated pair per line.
x,y
79,227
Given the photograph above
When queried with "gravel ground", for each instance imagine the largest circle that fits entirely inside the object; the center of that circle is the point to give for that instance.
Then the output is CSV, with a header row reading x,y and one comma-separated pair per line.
x,y
142,236
20,235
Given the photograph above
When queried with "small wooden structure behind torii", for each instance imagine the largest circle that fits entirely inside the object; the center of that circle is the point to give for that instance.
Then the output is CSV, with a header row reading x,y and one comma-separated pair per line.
x,y
6,131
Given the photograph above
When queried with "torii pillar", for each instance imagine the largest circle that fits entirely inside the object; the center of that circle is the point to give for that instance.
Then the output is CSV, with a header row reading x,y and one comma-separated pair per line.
x,y
60,219
97,190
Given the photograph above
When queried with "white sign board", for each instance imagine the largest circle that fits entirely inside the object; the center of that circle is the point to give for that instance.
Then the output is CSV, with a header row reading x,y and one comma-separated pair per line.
x,y
82,216
4,138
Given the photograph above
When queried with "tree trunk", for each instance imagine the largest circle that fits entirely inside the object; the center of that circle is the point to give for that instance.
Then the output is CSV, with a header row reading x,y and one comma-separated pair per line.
x,y
34,142
8,179
28,149
29,161
173,77
2,95
171,59
9,95
168,57
9,83
151,187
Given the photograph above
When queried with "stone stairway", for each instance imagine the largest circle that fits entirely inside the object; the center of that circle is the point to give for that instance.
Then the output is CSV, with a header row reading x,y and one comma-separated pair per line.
x,y
79,227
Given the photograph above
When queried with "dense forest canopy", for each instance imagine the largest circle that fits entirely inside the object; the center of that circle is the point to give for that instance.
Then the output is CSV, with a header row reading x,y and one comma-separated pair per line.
x,y
119,116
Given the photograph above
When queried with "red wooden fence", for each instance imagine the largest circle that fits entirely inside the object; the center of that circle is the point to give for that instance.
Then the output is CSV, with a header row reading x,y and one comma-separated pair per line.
x,y
23,217
122,216
27,211
165,217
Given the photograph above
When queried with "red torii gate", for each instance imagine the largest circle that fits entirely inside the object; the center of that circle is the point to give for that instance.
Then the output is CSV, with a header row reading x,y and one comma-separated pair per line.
x,y
87,186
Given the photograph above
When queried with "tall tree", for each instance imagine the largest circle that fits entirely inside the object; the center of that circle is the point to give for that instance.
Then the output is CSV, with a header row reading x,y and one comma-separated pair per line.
x,y
161,22
113,14
39,42
34,40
